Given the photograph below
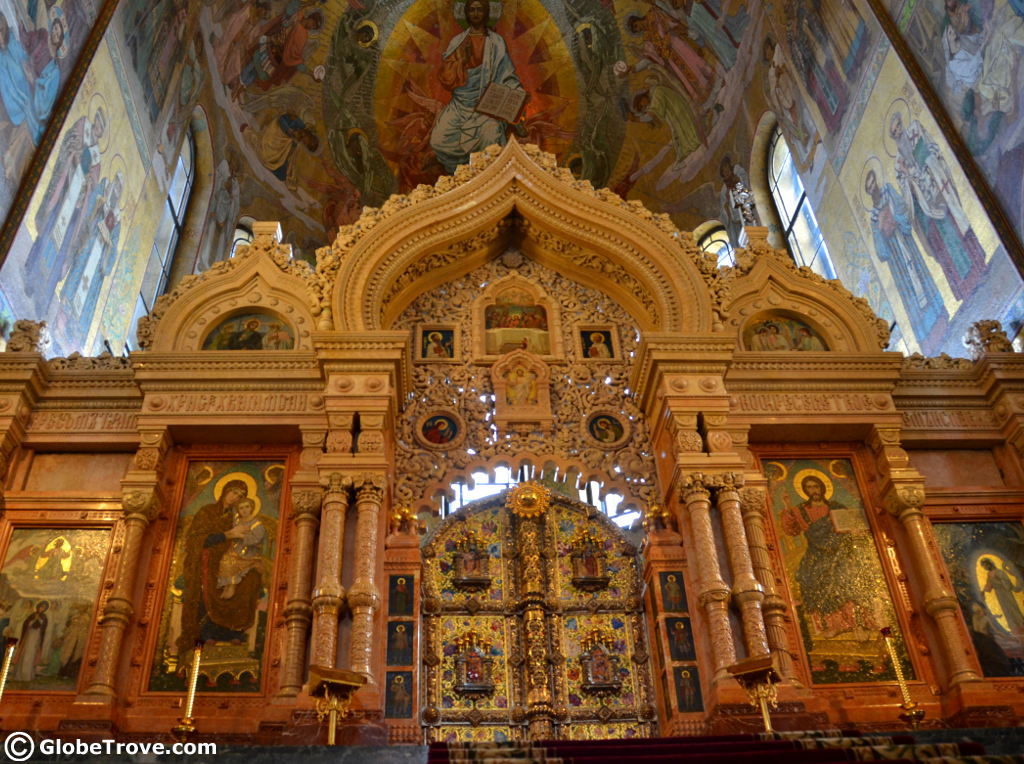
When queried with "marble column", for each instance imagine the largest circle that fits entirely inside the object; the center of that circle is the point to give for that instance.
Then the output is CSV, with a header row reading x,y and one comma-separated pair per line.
x,y
364,595
298,610
712,592
773,608
329,594
139,508
746,588
905,502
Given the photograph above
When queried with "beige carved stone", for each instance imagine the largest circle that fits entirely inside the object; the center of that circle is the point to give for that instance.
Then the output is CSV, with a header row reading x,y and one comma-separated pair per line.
x,y
522,397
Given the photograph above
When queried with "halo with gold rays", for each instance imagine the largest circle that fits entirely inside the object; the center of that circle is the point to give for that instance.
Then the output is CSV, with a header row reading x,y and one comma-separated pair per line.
x,y
411,59
529,499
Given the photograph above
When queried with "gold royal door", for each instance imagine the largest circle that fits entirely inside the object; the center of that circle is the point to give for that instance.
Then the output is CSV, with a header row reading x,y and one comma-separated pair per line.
x,y
532,624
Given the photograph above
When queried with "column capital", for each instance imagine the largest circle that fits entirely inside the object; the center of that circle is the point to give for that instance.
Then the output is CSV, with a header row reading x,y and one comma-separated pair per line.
x,y
694,483
306,501
144,504
905,498
370,486
337,483
752,499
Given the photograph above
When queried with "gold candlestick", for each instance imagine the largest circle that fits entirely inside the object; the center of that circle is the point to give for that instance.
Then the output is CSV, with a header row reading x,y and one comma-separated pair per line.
x,y
186,725
333,689
912,714
758,676
8,659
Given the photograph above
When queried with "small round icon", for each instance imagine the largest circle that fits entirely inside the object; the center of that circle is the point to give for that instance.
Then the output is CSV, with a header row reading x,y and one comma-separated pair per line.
x,y
19,746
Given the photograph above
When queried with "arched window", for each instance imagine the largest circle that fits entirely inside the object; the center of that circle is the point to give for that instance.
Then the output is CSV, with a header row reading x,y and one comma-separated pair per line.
x,y
803,235
243,234
168,232
716,241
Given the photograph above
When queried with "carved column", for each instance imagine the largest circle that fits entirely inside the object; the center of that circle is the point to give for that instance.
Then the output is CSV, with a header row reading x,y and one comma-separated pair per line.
x,y
139,508
773,608
905,503
746,588
363,595
713,592
531,582
140,503
298,609
329,593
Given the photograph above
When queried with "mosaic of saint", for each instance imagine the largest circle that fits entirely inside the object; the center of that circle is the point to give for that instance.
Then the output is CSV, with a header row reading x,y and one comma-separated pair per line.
x,y
782,333
971,52
49,584
220,576
986,565
250,331
353,102
833,568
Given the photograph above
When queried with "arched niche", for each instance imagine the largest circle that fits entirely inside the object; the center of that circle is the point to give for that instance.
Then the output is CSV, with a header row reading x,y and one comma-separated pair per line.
x,y
769,284
514,314
515,196
261,280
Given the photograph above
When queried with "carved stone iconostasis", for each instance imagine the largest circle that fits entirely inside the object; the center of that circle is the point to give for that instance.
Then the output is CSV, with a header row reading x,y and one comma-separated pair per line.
x,y
687,447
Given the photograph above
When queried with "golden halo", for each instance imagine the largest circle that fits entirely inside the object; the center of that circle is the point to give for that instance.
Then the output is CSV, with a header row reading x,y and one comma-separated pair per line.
x,y
837,472
118,166
798,480
901,107
374,33
400,628
273,473
256,503
781,468
401,580
245,477
205,475
670,577
99,102
873,163
596,337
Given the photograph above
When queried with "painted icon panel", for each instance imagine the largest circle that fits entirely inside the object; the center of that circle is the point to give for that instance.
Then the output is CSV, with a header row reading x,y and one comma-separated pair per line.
x,y
400,638
49,585
687,684
987,570
220,576
250,331
834,570
673,595
680,639
398,701
400,595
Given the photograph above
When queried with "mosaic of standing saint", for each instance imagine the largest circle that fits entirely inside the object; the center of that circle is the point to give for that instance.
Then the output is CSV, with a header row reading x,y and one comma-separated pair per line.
x,y
834,569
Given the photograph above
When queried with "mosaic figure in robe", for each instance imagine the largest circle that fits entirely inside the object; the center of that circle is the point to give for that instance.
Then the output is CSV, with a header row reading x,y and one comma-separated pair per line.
x,y
473,60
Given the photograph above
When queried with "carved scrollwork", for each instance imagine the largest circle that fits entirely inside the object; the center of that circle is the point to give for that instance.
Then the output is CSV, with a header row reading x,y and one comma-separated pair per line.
x,y
577,390
29,337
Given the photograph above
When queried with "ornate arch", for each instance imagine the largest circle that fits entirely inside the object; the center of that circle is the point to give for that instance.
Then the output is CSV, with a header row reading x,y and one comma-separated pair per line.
x,y
380,264
769,283
261,277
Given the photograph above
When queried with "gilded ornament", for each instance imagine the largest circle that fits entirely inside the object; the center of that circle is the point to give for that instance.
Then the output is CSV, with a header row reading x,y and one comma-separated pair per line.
x,y
529,499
